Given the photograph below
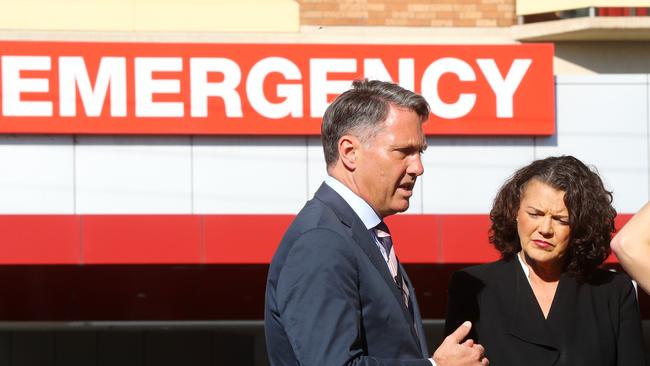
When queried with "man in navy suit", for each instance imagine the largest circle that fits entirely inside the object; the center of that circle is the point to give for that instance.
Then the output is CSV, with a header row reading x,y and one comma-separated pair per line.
x,y
335,293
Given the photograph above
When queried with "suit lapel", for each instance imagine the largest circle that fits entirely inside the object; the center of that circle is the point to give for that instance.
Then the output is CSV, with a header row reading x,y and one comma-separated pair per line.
x,y
363,238
528,322
367,243
415,311
564,310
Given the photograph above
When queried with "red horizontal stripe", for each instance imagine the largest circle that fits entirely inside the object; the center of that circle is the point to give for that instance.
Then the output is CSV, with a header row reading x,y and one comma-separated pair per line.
x,y
141,239
40,239
243,238
219,239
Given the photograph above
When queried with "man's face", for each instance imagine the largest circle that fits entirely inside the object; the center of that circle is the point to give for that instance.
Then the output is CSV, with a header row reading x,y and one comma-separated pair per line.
x,y
389,163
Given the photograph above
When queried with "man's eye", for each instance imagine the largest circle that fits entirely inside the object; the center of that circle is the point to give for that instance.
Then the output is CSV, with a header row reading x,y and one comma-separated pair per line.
x,y
411,150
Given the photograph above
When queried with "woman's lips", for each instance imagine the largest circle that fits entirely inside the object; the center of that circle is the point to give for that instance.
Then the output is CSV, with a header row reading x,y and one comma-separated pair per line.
x,y
543,244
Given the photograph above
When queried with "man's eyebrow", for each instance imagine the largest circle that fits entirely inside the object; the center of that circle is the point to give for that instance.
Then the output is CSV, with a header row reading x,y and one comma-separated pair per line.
x,y
409,146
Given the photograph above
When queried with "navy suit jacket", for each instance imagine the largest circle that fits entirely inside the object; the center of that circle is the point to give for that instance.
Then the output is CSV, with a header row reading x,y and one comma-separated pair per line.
x,y
330,298
592,323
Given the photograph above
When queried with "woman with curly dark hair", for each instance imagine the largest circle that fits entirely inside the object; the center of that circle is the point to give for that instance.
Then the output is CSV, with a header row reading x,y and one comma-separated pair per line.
x,y
547,302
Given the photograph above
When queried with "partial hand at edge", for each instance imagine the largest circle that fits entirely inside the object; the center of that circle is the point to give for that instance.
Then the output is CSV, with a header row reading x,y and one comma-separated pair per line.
x,y
454,353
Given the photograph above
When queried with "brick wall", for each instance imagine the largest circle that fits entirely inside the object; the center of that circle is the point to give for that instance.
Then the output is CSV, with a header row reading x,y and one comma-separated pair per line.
x,y
410,13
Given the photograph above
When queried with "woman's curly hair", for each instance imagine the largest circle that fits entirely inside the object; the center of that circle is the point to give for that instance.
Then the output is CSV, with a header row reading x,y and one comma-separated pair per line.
x,y
591,215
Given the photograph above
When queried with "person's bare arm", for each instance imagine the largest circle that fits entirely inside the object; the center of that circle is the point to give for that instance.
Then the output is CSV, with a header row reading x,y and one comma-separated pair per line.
x,y
632,247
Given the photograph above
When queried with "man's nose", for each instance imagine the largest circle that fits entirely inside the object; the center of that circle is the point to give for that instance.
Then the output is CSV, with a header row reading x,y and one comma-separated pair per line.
x,y
415,166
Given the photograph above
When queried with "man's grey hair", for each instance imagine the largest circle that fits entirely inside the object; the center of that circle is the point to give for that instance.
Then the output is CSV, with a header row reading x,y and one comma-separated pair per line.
x,y
362,110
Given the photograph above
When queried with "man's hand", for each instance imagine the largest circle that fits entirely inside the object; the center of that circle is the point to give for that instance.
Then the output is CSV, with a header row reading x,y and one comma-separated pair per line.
x,y
454,353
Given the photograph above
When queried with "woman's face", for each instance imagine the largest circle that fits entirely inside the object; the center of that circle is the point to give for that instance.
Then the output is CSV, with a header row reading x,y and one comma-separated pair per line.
x,y
543,224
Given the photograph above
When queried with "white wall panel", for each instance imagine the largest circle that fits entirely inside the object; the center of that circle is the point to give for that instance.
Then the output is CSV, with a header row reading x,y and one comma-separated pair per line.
x,y
462,175
316,167
605,125
602,79
36,175
601,119
133,174
250,174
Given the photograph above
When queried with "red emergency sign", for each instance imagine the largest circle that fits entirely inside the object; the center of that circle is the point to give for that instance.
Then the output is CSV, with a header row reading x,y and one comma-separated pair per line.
x,y
264,89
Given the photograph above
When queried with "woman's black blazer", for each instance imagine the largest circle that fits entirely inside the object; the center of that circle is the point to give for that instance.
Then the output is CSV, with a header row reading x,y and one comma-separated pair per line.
x,y
593,323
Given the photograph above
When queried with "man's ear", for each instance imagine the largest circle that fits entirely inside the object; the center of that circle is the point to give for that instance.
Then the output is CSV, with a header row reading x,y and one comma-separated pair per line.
x,y
349,151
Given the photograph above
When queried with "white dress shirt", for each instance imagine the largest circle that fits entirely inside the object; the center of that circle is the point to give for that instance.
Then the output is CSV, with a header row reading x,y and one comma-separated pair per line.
x,y
525,268
360,207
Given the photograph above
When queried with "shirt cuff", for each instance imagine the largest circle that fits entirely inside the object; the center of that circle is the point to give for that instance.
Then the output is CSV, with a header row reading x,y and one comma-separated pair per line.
x,y
432,362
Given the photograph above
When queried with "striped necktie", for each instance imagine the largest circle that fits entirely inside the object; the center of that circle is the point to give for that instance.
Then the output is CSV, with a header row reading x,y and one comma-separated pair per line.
x,y
384,238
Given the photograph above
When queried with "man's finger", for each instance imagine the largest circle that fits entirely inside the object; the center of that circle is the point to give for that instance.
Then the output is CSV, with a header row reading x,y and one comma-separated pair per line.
x,y
460,333
480,349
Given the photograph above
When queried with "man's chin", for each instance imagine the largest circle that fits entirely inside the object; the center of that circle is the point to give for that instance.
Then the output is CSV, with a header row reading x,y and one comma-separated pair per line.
x,y
401,207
